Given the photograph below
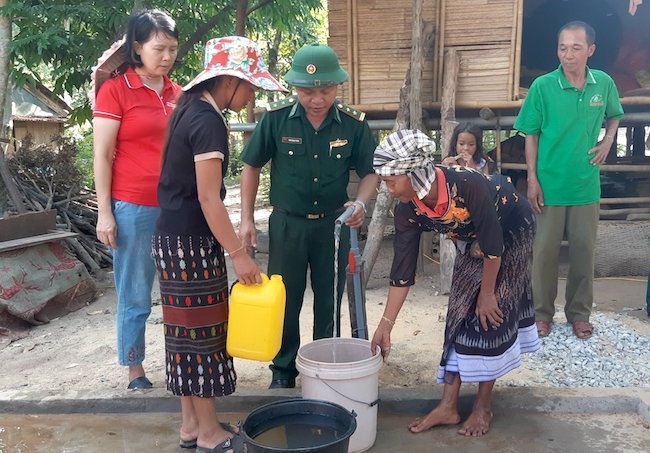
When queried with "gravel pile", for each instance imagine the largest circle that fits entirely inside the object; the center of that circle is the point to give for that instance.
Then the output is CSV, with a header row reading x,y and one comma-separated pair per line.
x,y
615,356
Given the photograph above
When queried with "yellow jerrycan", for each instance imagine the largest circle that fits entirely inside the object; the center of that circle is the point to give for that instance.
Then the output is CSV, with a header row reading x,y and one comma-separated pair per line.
x,y
256,319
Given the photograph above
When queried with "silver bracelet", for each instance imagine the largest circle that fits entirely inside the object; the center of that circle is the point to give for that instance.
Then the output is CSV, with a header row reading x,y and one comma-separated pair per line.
x,y
362,204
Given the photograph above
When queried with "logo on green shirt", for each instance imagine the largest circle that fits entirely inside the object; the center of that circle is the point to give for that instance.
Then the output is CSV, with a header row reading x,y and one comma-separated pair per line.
x,y
596,100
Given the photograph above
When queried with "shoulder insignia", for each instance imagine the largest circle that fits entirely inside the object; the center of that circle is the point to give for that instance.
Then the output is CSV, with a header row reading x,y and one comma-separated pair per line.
x,y
284,103
357,115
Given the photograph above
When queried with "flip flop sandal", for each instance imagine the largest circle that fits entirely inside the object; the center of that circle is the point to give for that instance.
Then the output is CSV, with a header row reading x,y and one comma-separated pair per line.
x,y
230,428
583,329
226,426
191,443
234,444
140,383
543,328
187,443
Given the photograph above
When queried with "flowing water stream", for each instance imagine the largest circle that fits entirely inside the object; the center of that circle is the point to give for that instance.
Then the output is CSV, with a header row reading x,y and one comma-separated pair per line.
x,y
337,243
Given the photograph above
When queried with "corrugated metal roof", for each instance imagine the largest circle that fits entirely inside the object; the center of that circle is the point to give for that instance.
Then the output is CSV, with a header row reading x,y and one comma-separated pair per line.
x,y
25,103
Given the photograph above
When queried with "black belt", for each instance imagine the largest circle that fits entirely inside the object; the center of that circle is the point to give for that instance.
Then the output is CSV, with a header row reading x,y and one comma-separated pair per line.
x,y
319,215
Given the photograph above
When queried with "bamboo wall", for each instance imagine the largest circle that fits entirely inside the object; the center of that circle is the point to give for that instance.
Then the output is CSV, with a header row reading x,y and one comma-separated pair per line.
x,y
487,36
373,41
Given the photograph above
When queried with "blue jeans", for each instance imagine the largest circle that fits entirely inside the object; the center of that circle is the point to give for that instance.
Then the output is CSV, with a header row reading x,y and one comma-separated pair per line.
x,y
134,271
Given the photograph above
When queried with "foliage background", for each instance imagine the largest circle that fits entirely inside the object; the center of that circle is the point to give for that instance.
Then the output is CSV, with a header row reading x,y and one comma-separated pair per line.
x,y
56,43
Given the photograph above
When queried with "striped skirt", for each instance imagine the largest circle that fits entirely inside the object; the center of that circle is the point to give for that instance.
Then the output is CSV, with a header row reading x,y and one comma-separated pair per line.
x,y
194,292
477,355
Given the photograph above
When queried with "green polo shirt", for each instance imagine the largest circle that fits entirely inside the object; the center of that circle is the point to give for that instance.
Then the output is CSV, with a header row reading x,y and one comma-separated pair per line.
x,y
310,168
568,122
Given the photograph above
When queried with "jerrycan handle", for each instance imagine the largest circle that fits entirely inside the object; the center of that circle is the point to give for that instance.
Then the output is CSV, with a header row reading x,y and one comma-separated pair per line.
x,y
265,279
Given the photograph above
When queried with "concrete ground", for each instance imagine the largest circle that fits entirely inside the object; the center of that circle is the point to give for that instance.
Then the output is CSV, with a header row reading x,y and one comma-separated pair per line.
x,y
527,420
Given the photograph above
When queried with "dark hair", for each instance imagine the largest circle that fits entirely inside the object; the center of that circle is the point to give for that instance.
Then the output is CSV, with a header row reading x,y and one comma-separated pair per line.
x,y
141,27
578,24
182,104
470,129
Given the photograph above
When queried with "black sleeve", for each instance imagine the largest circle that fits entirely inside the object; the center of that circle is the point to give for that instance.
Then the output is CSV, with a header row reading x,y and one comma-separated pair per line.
x,y
207,133
406,246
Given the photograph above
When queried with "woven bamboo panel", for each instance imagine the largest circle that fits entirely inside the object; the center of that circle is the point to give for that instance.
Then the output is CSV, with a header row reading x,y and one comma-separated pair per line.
x,y
373,41
472,22
486,35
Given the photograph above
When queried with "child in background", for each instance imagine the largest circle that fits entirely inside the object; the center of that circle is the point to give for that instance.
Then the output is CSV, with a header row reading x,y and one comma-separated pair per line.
x,y
466,149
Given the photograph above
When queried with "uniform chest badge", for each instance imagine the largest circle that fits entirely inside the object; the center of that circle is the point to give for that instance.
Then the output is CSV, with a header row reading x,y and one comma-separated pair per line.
x,y
292,140
338,143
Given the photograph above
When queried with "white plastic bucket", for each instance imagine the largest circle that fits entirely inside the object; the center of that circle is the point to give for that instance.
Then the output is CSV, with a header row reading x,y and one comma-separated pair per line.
x,y
351,381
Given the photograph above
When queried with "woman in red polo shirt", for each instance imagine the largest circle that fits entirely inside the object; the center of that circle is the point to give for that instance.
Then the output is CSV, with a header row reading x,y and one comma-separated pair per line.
x,y
129,120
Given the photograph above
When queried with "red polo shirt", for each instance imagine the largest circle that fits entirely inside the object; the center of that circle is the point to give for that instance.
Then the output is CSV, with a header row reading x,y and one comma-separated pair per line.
x,y
143,115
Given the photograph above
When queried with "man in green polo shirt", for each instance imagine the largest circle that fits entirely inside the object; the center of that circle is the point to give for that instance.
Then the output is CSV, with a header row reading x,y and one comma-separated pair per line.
x,y
312,141
562,117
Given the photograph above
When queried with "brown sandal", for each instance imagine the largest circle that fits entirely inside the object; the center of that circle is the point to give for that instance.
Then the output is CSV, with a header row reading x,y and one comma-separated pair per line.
x,y
543,328
583,329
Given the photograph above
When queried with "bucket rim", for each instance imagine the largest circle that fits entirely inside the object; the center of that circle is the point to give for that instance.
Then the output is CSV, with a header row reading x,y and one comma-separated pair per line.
x,y
332,340
344,437
333,370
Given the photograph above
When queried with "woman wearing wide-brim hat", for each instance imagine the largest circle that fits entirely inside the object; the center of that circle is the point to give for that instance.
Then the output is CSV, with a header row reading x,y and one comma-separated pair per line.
x,y
194,230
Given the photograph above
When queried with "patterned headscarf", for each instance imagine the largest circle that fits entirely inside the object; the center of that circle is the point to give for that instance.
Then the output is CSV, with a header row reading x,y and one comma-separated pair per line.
x,y
407,152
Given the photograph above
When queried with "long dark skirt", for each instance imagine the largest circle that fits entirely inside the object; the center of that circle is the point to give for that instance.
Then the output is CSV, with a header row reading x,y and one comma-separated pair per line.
x,y
477,355
194,292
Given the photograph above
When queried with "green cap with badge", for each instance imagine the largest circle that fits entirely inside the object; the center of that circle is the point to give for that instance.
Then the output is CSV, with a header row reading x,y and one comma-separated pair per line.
x,y
315,65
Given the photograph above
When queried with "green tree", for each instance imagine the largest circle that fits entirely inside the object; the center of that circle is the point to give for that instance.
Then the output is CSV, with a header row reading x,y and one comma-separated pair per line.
x,y
56,42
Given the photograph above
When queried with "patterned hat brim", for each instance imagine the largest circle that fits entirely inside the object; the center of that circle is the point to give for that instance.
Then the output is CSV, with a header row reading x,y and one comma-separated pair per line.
x,y
261,79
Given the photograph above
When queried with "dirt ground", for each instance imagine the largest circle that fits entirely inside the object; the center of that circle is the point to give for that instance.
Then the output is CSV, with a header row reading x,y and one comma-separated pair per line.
x,y
76,353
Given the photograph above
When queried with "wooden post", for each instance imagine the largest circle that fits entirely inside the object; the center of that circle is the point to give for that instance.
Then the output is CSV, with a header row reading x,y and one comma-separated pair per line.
x,y
447,125
350,56
355,53
416,108
10,184
498,143
416,66
5,174
517,64
403,121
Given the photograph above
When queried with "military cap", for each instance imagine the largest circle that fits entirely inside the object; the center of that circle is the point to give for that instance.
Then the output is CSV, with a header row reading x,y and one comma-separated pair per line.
x,y
315,65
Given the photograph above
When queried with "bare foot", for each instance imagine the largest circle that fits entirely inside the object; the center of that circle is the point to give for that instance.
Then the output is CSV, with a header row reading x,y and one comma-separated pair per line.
x,y
477,424
438,416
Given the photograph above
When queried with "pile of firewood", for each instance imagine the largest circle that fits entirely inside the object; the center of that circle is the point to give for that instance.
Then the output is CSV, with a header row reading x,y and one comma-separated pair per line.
x,y
46,178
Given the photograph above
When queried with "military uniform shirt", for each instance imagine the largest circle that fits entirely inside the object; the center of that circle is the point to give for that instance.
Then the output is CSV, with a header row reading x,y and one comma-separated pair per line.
x,y
310,168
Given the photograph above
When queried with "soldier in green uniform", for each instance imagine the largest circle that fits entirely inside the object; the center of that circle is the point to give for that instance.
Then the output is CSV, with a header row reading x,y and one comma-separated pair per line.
x,y
312,141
